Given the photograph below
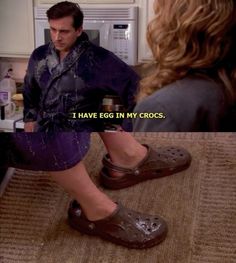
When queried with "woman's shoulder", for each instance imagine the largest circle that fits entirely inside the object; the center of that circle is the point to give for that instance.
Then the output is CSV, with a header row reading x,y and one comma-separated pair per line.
x,y
198,84
186,103
187,90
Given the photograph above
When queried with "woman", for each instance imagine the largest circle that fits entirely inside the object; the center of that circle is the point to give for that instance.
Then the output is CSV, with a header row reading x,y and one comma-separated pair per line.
x,y
192,86
92,211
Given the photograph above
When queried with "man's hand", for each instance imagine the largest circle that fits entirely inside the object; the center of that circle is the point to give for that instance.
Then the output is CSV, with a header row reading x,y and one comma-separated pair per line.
x,y
30,126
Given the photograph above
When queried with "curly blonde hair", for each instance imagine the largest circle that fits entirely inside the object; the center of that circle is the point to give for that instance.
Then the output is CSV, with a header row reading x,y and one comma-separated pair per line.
x,y
192,37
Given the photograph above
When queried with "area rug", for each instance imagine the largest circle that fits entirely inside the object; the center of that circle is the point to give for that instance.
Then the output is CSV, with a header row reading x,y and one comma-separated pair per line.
x,y
198,204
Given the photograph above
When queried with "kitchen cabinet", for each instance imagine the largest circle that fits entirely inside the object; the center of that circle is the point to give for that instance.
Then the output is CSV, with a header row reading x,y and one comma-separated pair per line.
x,y
145,16
16,28
38,2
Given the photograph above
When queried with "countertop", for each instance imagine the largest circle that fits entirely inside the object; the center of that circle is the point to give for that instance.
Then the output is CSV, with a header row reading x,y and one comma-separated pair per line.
x,y
12,123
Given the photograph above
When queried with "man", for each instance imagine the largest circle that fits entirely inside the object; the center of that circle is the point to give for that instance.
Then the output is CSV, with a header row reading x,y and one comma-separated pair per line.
x,y
70,74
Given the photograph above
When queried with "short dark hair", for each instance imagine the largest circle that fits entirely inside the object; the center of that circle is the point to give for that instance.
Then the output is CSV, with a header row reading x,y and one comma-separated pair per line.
x,y
64,9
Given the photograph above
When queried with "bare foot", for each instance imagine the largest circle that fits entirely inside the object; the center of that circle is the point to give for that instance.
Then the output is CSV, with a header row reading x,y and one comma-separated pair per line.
x,y
128,161
99,212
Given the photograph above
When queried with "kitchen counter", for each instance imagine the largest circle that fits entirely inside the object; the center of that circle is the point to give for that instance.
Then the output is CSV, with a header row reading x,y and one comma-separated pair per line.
x,y
13,123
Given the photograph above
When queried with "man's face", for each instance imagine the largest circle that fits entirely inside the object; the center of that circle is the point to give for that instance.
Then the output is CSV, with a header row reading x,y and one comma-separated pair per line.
x,y
63,34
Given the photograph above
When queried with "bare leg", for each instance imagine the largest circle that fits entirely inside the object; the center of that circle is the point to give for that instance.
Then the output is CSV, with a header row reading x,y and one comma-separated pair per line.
x,y
123,149
76,181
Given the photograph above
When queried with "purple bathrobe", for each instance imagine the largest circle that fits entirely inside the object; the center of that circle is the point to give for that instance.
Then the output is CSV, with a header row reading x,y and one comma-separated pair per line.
x,y
43,151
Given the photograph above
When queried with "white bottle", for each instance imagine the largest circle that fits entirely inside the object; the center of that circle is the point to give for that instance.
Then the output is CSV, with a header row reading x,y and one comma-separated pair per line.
x,y
8,84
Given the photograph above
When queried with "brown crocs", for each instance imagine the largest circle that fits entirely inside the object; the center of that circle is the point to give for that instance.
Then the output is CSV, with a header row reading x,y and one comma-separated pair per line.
x,y
162,162
124,227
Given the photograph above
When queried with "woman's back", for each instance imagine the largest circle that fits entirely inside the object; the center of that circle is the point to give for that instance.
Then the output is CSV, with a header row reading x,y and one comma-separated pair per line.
x,y
190,104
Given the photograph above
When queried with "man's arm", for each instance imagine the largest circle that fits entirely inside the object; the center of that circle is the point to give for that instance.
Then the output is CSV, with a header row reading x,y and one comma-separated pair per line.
x,y
124,81
31,94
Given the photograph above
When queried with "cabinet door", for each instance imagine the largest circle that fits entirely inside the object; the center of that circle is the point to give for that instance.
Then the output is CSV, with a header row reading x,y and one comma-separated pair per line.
x,y
87,1
16,28
146,15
